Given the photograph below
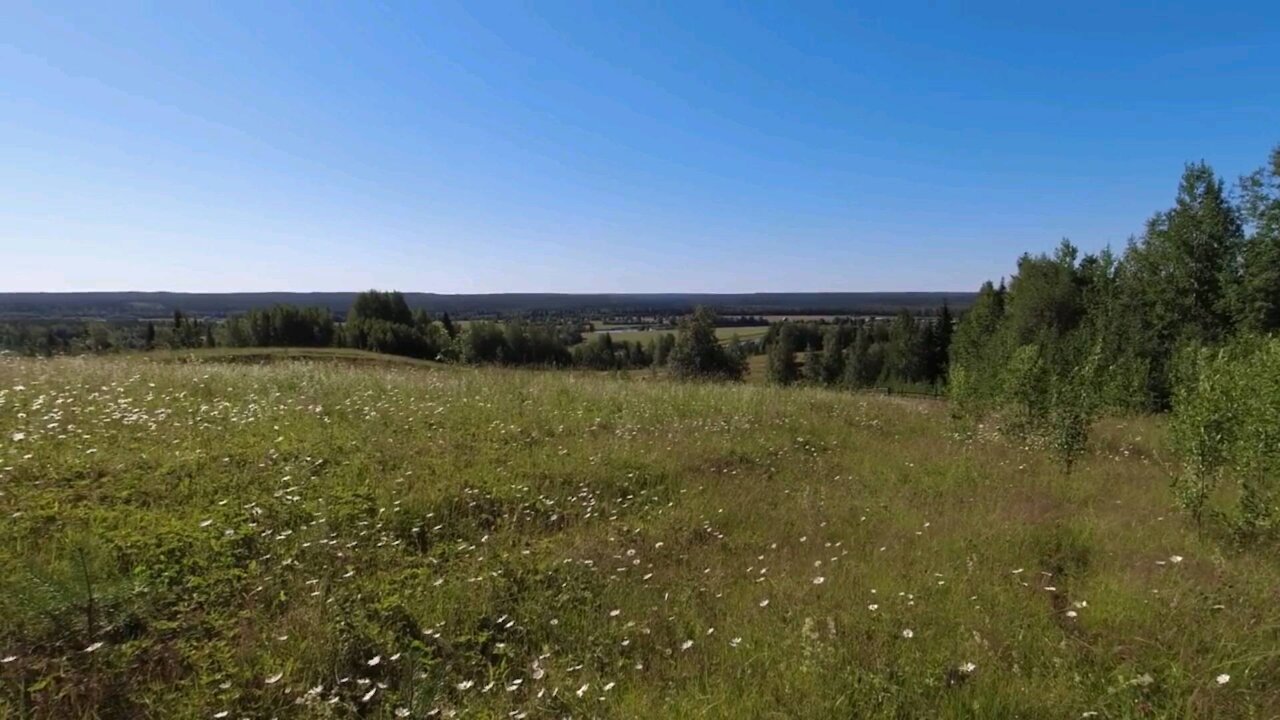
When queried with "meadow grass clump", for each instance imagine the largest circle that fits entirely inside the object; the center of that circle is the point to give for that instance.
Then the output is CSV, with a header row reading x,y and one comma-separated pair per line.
x,y
311,539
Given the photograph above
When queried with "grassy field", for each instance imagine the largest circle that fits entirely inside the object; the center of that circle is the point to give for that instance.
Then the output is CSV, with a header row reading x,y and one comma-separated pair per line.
x,y
319,540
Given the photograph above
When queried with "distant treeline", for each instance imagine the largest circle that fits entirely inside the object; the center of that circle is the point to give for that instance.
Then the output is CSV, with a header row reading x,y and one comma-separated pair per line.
x,y
535,307
907,351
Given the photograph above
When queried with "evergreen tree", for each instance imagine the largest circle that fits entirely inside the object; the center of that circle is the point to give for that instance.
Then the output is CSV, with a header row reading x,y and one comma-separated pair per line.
x,y
939,345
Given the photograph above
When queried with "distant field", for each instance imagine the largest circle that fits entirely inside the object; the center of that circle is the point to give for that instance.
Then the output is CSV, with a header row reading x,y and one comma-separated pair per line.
x,y
749,332
331,540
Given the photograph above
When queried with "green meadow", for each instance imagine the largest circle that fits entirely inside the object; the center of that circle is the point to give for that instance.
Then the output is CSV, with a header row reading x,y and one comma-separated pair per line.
x,y
317,539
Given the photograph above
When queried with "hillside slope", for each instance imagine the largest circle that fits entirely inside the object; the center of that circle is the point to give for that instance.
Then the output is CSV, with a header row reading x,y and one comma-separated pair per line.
x,y
311,540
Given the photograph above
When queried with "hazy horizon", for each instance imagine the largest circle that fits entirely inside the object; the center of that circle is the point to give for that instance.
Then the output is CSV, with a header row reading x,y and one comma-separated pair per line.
x,y
501,292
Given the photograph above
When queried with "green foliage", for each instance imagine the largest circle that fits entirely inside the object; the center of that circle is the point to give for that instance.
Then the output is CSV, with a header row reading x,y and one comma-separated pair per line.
x,y
601,352
865,362
781,368
1028,356
698,354
662,349
1226,426
1070,415
280,326
812,368
390,307
834,346
1258,300
977,355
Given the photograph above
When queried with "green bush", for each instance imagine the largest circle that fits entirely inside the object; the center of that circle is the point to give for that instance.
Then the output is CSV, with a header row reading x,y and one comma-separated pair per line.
x,y
1226,427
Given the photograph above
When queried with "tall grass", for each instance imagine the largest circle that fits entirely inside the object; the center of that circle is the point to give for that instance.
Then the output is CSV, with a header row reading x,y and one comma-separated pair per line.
x,y
313,540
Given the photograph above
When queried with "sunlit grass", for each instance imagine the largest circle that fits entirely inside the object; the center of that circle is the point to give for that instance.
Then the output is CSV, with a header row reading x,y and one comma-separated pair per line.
x,y
309,539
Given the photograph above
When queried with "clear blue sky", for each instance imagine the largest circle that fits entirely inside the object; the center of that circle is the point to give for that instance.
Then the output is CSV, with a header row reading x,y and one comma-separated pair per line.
x,y
606,147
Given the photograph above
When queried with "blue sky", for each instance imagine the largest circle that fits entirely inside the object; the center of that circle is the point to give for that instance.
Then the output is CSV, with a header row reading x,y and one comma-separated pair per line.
x,y
606,147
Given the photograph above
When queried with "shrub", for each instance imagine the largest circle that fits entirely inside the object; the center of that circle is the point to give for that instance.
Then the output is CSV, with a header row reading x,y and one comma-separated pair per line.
x,y
1226,427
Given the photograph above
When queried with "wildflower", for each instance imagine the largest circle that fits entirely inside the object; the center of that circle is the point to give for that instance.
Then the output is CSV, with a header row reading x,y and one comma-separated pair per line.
x,y
908,634
764,602
1072,614
373,662
466,684
583,690
402,712
220,715
369,695
615,613
206,523
819,580
686,645
967,668
735,642
1175,559
1223,679
873,607
94,646
18,437
8,659
608,686
274,679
